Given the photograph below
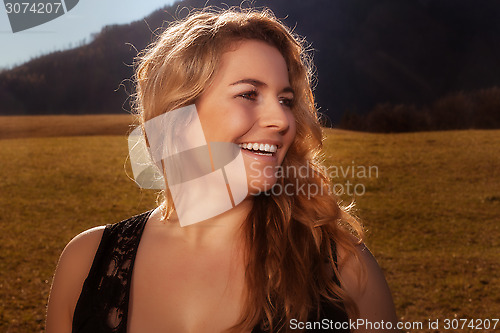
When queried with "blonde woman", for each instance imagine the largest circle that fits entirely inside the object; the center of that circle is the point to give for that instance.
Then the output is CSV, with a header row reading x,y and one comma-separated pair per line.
x,y
276,261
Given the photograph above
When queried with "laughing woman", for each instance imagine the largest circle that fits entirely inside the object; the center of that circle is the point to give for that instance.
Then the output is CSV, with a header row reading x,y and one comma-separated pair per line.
x,y
276,260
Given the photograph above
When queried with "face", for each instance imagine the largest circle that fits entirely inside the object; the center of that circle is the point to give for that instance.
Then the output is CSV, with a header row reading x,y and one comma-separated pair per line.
x,y
249,103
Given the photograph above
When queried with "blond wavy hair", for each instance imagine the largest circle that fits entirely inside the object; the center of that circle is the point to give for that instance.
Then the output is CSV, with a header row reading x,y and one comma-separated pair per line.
x,y
290,241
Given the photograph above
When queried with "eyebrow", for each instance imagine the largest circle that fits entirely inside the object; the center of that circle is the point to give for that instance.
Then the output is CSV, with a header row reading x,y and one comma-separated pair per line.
x,y
258,84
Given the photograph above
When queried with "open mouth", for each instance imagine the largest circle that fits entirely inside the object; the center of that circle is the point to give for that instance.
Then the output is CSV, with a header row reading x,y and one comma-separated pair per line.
x,y
263,149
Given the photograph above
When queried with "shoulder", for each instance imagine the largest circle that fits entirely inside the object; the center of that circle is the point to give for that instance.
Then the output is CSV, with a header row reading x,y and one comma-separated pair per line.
x,y
76,262
81,249
364,281
72,270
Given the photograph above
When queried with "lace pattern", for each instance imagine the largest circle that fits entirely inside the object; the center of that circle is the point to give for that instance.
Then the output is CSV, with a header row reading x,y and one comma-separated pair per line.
x,y
103,303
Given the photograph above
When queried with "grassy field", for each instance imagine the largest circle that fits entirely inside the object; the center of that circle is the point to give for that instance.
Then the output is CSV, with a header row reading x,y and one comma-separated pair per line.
x,y
13,127
432,212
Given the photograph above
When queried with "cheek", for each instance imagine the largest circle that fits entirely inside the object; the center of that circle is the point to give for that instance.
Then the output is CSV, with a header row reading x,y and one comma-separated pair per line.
x,y
225,123
237,121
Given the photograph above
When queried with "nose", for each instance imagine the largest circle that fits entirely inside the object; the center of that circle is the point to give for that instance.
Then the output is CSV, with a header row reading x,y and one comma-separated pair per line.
x,y
275,116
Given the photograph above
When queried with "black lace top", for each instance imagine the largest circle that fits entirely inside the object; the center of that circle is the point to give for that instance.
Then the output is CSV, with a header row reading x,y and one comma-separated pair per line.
x,y
103,303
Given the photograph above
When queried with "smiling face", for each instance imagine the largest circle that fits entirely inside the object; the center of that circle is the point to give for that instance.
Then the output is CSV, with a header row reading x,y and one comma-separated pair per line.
x,y
249,103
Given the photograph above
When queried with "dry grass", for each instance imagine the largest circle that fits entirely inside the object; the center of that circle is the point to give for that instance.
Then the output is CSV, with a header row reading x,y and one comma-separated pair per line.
x,y
12,127
54,189
432,214
432,217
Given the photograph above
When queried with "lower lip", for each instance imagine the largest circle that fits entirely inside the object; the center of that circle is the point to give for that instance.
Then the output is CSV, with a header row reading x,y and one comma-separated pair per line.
x,y
258,157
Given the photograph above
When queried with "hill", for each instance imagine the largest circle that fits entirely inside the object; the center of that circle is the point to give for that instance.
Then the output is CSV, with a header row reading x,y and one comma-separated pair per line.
x,y
366,52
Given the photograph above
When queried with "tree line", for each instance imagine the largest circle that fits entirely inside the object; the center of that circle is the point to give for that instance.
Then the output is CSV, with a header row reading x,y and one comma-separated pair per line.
x,y
464,110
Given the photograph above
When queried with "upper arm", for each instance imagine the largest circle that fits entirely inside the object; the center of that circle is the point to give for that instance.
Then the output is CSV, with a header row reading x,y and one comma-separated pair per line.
x,y
368,289
72,270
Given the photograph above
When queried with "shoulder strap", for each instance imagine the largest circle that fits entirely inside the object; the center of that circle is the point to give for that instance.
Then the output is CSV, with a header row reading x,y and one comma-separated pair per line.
x,y
103,303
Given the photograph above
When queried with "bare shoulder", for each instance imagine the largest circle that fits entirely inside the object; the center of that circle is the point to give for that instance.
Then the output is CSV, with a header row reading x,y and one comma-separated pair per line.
x,y
364,281
79,253
72,270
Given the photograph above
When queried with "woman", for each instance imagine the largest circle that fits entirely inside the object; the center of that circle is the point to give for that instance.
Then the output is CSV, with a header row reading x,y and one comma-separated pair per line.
x,y
277,261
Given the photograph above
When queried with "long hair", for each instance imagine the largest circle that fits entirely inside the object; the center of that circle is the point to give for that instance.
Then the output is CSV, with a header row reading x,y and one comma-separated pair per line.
x,y
290,240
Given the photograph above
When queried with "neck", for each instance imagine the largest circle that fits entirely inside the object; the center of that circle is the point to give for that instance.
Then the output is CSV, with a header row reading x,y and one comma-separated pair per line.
x,y
221,230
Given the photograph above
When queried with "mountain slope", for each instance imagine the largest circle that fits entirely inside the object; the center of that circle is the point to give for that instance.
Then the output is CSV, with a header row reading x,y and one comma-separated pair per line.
x,y
366,52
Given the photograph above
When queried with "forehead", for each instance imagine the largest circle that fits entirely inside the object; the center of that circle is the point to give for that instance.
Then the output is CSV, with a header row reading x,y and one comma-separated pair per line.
x,y
253,59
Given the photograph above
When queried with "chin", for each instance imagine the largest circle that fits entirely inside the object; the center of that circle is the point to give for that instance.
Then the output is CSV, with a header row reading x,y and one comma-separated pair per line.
x,y
259,185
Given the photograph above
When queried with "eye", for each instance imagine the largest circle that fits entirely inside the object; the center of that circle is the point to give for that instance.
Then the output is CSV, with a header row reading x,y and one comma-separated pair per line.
x,y
287,102
250,95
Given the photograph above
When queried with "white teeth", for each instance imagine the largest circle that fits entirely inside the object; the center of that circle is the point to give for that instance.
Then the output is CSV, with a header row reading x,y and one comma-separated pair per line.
x,y
259,147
